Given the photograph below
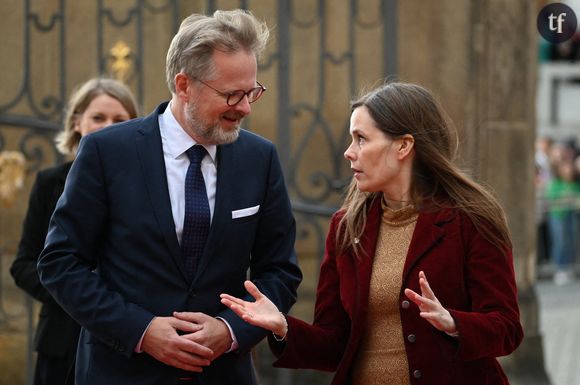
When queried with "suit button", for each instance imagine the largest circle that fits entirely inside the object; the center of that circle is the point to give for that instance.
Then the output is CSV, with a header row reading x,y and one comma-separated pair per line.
x,y
417,373
411,338
405,304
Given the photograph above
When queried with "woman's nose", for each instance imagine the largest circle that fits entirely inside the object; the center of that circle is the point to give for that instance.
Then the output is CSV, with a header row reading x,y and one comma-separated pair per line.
x,y
348,153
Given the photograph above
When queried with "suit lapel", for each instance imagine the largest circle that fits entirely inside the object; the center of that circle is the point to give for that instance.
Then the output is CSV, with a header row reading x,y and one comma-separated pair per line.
x,y
150,151
225,174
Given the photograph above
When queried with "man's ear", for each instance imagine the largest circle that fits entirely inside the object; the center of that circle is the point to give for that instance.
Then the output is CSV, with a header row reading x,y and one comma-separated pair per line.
x,y
406,145
182,85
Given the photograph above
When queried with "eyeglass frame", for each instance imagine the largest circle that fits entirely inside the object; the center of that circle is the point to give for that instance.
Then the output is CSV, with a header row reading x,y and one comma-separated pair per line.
x,y
227,95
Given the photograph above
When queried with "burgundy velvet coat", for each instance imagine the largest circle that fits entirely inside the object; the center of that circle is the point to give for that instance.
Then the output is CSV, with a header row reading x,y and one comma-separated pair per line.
x,y
471,278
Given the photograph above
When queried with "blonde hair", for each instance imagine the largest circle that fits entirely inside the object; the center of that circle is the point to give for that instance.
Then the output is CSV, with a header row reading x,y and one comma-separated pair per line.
x,y
403,108
192,47
68,139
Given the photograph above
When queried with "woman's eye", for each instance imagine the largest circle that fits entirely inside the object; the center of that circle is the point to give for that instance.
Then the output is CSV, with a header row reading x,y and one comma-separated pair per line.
x,y
361,140
98,118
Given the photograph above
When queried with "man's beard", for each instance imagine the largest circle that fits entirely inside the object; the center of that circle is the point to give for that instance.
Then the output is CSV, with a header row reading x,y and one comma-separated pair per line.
x,y
211,132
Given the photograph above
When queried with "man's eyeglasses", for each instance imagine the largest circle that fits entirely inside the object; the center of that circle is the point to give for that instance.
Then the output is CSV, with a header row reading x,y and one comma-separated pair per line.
x,y
234,97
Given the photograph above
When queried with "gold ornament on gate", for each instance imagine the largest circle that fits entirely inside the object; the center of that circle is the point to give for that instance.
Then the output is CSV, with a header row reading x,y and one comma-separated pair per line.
x,y
121,60
12,172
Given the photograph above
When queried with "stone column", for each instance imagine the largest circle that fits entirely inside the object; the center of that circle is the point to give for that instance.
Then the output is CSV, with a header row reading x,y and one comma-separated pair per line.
x,y
479,58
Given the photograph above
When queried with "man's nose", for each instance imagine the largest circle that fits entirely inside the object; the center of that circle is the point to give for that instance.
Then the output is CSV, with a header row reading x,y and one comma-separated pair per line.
x,y
244,106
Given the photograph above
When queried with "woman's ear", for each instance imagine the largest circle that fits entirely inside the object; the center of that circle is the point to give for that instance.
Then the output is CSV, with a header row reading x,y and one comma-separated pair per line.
x,y
406,145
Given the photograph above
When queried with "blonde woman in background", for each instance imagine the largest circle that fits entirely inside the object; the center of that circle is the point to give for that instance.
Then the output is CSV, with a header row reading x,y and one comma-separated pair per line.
x,y
94,105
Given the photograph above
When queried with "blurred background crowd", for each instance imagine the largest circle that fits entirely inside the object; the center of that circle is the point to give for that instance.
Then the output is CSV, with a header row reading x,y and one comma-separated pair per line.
x,y
558,209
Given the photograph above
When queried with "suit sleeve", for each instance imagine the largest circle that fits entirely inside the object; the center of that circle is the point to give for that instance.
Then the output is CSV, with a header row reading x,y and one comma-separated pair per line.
x,y
34,230
273,266
68,265
492,327
320,345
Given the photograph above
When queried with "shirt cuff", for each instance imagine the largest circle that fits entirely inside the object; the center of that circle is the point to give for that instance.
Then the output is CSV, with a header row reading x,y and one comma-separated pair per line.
x,y
139,348
234,345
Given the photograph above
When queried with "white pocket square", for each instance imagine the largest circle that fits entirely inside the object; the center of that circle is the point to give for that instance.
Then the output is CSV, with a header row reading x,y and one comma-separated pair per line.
x,y
245,212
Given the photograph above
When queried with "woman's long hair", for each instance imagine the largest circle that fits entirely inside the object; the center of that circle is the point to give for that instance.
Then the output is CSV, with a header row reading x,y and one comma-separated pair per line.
x,y
403,108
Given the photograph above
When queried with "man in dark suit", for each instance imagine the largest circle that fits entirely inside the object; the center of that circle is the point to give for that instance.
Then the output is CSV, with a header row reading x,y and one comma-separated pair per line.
x,y
120,255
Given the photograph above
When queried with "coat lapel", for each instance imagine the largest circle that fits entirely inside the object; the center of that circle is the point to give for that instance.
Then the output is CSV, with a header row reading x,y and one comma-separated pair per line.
x,y
150,151
362,267
429,231
364,264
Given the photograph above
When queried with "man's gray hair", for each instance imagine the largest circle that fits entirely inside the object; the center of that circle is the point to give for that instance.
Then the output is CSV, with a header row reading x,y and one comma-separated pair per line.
x,y
192,47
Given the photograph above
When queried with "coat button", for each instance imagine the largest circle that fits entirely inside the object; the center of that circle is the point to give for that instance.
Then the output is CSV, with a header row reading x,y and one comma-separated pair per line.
x,y
405,304
411,338
417,373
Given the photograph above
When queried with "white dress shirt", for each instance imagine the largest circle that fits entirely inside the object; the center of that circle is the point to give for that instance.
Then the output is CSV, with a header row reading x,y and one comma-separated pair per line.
x,y
175,143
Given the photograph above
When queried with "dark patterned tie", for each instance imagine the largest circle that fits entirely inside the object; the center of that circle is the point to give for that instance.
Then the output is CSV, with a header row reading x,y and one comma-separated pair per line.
x,y
197,215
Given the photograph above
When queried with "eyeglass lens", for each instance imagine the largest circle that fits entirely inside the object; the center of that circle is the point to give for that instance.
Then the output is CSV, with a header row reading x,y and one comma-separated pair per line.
x,y
237,96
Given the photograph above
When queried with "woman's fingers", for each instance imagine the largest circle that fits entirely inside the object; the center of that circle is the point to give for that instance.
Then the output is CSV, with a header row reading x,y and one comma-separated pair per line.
x,y
429,306
424,303
416,298
253,290
419,299
244,309
250,288
425,288
235,304
262,312
242,312
233,300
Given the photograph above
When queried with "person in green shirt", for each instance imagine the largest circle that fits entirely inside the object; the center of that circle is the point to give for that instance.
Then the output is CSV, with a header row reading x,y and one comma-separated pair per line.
x,y
563,195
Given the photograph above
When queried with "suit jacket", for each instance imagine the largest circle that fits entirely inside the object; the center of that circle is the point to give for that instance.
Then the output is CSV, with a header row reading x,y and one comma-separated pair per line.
x,y
56,332
112,258
471,278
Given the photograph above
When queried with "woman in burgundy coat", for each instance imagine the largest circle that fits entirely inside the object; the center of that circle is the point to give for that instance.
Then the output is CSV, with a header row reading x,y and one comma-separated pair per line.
x,y
417,283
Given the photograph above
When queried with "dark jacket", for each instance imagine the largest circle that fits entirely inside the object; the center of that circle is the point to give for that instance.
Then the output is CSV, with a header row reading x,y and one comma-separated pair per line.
x,y
56,332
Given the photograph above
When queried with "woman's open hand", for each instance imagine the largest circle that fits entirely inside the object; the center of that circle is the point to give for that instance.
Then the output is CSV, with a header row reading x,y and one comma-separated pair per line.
x,y
431,308
262,313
